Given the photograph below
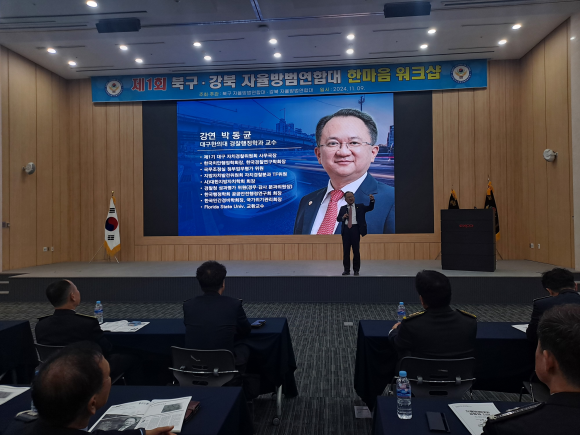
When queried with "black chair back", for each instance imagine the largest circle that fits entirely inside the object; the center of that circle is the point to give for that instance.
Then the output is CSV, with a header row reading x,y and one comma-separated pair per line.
x,y
449,378
44,351
202,368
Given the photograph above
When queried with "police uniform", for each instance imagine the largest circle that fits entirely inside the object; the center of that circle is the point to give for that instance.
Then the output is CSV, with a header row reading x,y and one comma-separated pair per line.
x,y
541,305
559,415
437,333
65,327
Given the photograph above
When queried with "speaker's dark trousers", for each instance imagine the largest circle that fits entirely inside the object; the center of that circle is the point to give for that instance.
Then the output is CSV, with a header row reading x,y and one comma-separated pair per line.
x,y
351,238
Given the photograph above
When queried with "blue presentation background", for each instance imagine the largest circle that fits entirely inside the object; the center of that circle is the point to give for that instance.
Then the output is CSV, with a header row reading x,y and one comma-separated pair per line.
x,y
293,150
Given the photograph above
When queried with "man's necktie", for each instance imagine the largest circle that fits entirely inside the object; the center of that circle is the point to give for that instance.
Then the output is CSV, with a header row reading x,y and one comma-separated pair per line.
x,y
350,216
327,225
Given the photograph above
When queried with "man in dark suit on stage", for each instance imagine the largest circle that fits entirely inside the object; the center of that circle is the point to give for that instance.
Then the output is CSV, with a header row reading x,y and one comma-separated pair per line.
x,y
346,147
354,226
561,288
68,390
439,331
557,366
214,321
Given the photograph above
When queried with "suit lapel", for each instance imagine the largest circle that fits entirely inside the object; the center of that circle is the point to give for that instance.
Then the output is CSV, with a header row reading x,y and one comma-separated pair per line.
x,y
312,210
368,187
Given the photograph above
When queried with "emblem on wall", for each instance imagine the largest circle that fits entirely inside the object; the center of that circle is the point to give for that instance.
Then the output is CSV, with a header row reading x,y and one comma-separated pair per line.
x,y
114,88
460,73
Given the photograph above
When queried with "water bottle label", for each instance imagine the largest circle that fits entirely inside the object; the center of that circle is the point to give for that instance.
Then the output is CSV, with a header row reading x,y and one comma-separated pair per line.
x,y
404,392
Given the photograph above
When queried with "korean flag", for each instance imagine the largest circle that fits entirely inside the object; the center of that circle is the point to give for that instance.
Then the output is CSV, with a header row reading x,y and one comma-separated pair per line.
x,y
112,238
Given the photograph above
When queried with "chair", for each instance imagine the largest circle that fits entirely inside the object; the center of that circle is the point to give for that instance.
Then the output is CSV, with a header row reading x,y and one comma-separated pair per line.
x,y
449,378
536,388
202,368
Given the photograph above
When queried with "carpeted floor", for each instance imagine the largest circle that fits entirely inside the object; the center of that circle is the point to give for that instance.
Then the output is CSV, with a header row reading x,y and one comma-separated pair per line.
x,y
325,353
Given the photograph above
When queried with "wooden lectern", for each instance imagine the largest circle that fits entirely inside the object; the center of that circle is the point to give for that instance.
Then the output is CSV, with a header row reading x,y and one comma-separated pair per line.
x,y
468,240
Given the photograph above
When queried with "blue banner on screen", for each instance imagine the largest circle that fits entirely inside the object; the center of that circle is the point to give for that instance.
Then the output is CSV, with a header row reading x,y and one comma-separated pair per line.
x,y
252,166
424,76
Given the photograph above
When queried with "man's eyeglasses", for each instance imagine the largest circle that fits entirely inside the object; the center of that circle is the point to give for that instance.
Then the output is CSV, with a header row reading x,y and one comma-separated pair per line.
x,y
350,145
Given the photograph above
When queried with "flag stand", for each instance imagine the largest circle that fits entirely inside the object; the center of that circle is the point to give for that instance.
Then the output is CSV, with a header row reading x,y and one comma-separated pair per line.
x,y
108,257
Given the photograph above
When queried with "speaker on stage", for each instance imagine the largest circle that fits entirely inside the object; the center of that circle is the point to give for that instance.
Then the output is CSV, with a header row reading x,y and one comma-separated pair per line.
x,y
468,240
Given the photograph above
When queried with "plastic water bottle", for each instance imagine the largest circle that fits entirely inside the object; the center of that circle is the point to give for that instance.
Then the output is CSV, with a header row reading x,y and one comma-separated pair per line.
x,y
99,312
404,397
32,407
401,312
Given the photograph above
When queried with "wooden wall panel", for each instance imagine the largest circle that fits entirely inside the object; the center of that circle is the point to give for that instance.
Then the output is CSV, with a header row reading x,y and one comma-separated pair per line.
x,y
57,230
482,144
127,217
167,253
440,197
87,248
181,251
4,86
451,143
466,135
100,193
74,174
140,253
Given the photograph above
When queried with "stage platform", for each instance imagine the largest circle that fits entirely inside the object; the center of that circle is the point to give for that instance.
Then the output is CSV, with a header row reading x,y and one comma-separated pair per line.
x,y
278,281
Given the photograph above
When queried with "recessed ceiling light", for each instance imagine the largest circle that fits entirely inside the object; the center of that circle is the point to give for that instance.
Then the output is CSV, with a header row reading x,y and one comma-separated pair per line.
x,y
431,31
424,46
207,57
123,47
572,38
277,54
72,63
139,60
197,44
51,50
350,36
502,42
92,4
516,26
350,51
273,41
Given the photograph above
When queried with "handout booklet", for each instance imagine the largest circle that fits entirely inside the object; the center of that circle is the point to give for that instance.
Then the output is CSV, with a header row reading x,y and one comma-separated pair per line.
x,y
474,415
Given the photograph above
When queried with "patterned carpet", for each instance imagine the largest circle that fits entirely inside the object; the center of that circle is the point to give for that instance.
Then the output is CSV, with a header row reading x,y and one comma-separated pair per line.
x,y
325,353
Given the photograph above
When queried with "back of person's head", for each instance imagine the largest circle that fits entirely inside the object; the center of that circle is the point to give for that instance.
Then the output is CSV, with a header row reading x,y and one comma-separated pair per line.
x,y
559,333
558,279
211,276
58,292
434,288
66,382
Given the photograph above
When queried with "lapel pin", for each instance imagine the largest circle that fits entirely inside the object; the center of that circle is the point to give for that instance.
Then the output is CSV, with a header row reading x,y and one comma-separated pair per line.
x,y
310,203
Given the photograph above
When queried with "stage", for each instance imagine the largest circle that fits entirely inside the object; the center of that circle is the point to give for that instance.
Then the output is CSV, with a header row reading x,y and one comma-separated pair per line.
x,y
516,281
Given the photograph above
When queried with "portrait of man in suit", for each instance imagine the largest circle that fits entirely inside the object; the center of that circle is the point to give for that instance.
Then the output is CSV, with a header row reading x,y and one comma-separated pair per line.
x,y
346,147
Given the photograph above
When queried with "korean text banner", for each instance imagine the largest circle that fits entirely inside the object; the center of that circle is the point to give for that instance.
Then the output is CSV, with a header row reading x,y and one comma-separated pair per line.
x,y
303,81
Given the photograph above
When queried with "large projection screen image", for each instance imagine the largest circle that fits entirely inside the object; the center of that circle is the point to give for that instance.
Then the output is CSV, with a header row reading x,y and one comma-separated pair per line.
x,y
252,167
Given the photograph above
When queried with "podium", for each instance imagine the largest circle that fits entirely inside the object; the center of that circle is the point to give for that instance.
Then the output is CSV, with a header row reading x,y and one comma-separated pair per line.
x,y
468,240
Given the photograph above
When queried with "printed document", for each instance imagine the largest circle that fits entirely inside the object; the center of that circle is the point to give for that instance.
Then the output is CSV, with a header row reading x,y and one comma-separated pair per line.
x,y
474,415
522,328
7,393
121,326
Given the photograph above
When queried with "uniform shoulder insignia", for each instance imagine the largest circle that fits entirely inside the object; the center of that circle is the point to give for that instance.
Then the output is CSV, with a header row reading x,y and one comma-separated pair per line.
x,y
468,314
543,297
414,315
85,315
517,412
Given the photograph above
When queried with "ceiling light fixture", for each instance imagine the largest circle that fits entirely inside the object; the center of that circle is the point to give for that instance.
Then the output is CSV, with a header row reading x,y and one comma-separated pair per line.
x,y
350,51
92,4
51,50
423,47
123,47
277,54
273,41
516,26
350,36
502,42
431,31
207,57
197,44
138,60
572,38
72,63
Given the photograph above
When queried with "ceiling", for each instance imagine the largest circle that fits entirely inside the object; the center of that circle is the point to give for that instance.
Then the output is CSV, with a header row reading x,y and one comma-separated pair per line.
x,y
235,33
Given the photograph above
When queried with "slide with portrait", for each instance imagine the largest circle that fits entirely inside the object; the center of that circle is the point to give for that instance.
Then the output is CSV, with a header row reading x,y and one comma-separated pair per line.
x,y
250,166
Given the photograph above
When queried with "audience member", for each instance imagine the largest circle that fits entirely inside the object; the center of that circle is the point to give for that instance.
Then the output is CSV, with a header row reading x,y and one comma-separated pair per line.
x,y
438,331
215,321
557,366
561,288
69,388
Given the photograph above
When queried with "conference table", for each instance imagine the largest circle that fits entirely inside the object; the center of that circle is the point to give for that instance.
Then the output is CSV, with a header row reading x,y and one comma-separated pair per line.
x,y
385,420
271,351
223,411
17,352
504,358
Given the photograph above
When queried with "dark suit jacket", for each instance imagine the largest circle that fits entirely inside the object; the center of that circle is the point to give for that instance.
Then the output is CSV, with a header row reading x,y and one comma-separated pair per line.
x,y
361,211
65,327
541,305
381,221
40,427
559,414
214,322
436,333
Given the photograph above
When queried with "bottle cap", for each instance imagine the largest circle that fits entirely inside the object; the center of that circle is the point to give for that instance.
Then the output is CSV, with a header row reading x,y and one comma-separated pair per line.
x,y
98,302
402,374
400,303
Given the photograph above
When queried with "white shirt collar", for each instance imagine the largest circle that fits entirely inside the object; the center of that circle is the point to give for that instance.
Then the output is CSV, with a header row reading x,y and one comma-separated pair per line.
x,y
351,187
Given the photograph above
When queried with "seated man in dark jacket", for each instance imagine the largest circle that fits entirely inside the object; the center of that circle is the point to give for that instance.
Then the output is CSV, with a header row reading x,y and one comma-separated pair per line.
x,y
70,387
561,288
213,321
439,331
